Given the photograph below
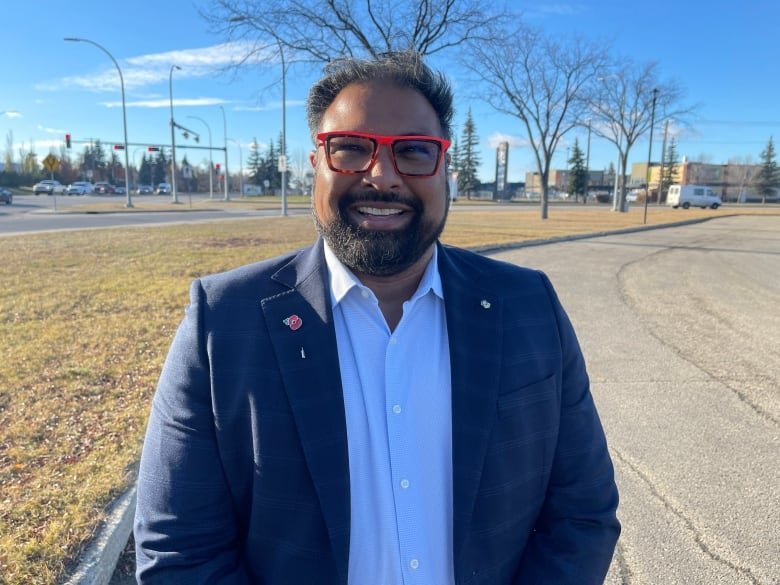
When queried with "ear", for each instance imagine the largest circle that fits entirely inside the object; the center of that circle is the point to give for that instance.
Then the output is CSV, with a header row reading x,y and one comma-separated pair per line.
x,y
313,158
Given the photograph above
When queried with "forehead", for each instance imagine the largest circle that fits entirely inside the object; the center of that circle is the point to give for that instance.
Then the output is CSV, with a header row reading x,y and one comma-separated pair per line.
x,y
381,107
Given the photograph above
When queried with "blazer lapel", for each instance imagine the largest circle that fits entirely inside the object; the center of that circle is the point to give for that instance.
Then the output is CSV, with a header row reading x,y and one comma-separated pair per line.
x,y
475,348
300,324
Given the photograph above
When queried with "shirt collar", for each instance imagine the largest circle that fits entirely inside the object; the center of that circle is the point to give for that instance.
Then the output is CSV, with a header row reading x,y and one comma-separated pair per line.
x,y
342,279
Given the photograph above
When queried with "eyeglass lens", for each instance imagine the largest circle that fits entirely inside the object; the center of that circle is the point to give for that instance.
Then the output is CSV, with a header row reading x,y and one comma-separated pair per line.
x,y
355,153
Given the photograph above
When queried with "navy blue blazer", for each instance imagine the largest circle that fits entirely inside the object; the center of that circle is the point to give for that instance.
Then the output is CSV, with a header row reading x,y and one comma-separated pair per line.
x,y
244,476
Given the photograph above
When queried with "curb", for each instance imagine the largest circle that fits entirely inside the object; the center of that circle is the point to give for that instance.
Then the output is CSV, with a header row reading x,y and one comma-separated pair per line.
x,y
495,249
97,564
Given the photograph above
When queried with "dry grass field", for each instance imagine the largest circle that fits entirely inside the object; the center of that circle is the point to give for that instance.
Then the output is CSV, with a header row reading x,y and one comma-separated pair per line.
x,y
85,321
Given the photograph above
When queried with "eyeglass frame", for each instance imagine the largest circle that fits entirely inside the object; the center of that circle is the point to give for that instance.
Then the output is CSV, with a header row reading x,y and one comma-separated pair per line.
x,y
383,140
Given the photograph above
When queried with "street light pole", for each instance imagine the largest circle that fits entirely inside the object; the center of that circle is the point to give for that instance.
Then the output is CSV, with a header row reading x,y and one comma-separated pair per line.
x,y
211,161
224,126
283,154
650,154
129,201
174,195
587,165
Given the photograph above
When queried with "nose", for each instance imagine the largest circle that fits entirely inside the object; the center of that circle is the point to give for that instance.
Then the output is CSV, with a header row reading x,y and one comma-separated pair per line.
x,y
382,174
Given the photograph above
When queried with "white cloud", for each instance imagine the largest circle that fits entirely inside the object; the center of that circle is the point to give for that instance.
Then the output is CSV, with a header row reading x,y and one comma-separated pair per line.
x,y
146,70
514,141
166,103
39,146
11,114
561,9
52,130
270,106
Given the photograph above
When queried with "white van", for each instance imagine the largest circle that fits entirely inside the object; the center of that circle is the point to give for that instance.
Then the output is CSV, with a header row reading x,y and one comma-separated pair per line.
x,y
686,196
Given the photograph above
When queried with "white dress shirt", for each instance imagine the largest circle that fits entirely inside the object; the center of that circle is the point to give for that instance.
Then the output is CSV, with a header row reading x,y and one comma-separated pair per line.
x,y
399,428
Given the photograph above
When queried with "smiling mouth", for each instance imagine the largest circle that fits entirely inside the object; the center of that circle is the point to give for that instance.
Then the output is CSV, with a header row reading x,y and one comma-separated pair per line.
x,y
376,211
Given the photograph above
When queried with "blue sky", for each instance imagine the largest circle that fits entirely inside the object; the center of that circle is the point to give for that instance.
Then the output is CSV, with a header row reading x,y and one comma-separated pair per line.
x,y
725,54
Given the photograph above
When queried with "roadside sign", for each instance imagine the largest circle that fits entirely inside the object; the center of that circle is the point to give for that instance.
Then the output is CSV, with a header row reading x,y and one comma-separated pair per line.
x,y
282,163
186,171
51,163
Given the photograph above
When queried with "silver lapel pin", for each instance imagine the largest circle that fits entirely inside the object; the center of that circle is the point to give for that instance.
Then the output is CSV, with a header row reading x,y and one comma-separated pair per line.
x,y
485,304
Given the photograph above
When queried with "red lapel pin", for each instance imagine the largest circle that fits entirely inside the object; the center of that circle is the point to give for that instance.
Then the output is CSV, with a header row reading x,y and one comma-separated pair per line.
x,y
294,322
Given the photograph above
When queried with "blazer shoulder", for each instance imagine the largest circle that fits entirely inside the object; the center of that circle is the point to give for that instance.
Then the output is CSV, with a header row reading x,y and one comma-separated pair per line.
x,y
499,274
254,280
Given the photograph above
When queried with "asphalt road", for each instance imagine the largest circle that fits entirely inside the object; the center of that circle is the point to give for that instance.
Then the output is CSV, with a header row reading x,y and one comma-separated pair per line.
x,y
30,214
681,332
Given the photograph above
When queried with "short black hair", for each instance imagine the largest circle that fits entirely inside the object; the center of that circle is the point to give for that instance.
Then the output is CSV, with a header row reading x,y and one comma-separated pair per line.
x,y
403,68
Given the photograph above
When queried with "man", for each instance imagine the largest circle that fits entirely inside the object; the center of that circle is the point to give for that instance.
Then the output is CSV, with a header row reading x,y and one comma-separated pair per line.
x,y
377,409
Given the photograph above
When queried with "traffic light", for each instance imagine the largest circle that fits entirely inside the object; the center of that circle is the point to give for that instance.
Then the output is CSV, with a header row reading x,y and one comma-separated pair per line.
x,y
217,167
119,147
67,141
153,149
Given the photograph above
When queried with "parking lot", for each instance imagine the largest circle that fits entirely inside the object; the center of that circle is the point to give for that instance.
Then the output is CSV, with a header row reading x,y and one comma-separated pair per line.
x,y
681,332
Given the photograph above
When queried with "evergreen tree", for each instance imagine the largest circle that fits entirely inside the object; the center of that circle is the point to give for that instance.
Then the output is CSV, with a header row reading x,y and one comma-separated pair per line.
x,y
113,163
455,156
670,161
468,182
255,164
282,151
768,179
160,168
578,174
145,171
270,164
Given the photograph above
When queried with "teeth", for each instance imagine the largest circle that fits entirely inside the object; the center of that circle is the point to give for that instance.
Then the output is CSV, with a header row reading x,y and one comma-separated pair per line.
x,y
378,211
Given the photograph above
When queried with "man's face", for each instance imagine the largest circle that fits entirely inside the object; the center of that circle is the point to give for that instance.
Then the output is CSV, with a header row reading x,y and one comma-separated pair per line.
x,y
379,222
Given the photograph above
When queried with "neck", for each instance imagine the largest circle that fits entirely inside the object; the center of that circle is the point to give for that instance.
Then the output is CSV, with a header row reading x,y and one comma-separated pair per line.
x,y
393,291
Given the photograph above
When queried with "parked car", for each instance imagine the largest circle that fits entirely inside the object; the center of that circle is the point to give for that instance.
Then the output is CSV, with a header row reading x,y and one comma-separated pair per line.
x,y
164,189
686,196
120,190
144,190
80,188
6,196
50,187
104,187
634,195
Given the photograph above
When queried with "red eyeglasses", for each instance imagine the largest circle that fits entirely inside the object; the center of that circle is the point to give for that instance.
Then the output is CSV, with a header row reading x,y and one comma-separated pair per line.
x,y
356,152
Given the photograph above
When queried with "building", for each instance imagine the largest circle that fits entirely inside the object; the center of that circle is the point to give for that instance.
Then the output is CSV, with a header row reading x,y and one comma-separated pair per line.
x,y
732,181
598,181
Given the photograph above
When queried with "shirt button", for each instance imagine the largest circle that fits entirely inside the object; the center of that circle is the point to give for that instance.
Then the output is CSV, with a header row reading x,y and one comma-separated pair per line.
x,y
404,483
414,563
393,341
397,409
364,294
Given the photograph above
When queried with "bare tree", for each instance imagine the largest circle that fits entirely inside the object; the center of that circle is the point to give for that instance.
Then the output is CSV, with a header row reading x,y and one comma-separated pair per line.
x,y
621,109
540,81
323,30
9,152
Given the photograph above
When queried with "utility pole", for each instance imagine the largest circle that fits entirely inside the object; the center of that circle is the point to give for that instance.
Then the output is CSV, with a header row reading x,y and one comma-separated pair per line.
x,y
663,157
650,154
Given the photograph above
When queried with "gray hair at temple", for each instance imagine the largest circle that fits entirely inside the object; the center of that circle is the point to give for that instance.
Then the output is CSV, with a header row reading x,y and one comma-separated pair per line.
x,y
403,68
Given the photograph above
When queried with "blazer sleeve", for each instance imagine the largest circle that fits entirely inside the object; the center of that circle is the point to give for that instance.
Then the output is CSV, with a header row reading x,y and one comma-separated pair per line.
x,y
185,525
577,529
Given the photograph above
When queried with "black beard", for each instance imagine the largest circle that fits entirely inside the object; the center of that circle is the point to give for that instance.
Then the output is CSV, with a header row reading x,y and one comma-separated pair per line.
x,y
379,252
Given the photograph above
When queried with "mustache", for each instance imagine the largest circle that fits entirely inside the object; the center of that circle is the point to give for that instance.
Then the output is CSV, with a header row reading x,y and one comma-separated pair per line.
x,y
380,197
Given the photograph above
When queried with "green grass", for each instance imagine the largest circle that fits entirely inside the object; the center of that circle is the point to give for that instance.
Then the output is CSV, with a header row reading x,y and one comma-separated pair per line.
x,y
86,318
